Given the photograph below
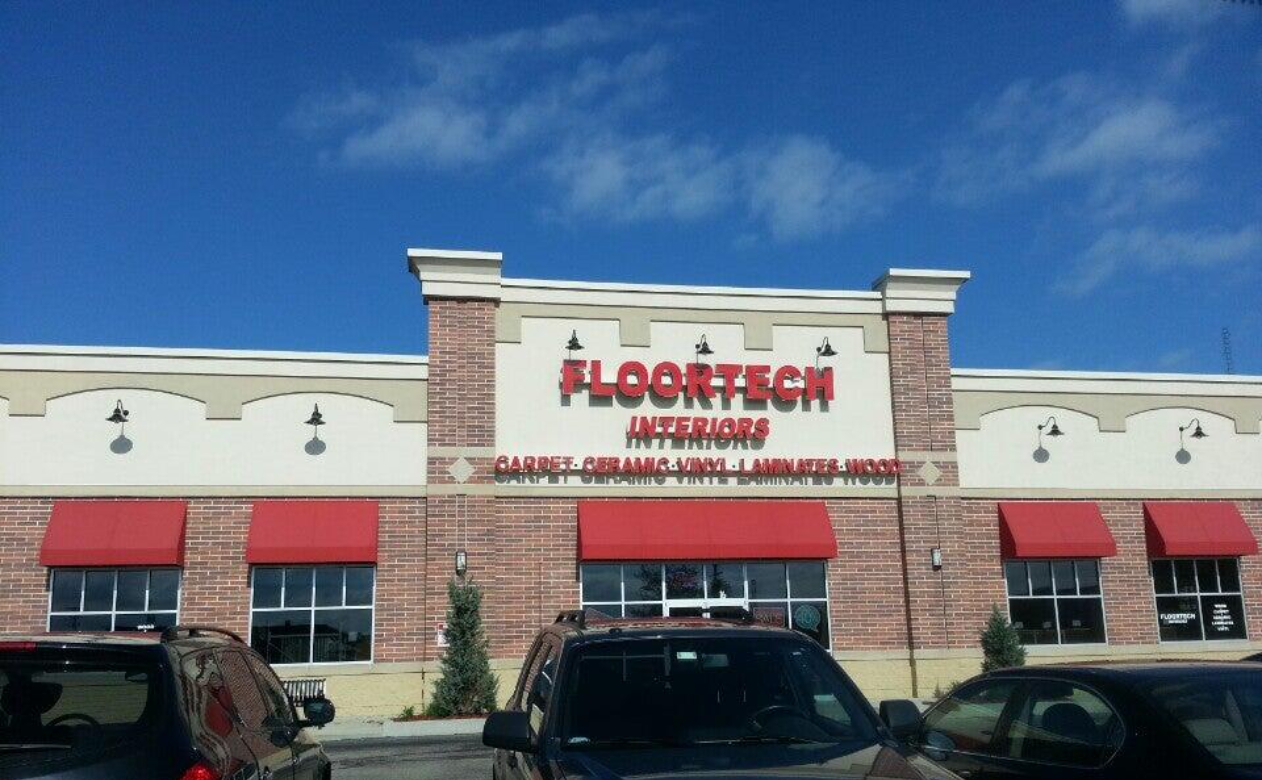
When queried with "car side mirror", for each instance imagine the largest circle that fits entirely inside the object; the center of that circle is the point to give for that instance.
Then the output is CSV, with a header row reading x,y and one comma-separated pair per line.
x,y
902,717
318,712
508,730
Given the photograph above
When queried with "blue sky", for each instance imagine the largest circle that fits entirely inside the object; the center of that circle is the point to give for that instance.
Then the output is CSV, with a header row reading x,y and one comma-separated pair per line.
x,y
248,175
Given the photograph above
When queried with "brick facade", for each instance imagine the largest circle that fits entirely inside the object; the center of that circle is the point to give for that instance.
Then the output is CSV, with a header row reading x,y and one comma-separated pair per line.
x,y
215,580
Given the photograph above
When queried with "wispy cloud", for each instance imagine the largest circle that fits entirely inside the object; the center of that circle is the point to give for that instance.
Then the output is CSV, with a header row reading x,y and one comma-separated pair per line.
x,y
1148,250
1173,12
581,104
1128,149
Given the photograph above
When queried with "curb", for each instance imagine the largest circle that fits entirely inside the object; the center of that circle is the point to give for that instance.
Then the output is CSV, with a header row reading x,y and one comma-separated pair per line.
x,y
415,728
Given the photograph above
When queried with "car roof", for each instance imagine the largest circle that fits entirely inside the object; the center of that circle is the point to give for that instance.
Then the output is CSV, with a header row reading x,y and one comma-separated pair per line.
x,y
598,629
1129,671
133,639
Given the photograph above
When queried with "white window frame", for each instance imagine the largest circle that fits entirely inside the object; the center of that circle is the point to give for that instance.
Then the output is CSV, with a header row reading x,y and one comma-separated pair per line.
x,y
1198,594
662,603
312,608
113,611
1104,612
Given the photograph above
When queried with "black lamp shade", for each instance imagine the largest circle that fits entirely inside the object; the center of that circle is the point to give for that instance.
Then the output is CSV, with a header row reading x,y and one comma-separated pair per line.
x,y
316,417
825,349
1199,433
119,415
703,346
1055,431
573,343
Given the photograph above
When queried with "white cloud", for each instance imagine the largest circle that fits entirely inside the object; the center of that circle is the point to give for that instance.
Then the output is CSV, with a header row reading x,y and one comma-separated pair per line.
x,y
630,179
802,186
581,103
1172,12
1129,149
1148,250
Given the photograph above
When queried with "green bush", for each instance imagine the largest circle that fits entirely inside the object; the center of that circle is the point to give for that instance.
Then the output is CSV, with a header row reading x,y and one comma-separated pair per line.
x,y
467,686
1001,643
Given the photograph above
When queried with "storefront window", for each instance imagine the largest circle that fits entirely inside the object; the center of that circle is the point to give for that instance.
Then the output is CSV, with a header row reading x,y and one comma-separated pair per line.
x,y
113,599
1198,599
1055,602
792,594
306,614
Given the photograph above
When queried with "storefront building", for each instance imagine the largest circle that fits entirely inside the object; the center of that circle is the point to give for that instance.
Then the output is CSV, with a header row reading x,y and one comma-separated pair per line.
x,y
811,456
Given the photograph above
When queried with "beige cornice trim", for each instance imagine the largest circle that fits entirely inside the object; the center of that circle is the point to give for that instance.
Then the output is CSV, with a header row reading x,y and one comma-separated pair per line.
x,y
462,452
634,322
937,456
700,491
1110,409
210,491
1109,493
223,395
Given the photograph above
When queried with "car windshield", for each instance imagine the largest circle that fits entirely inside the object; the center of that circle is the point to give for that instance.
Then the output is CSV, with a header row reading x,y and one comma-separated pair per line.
x,y
55,710
699,691
1222,711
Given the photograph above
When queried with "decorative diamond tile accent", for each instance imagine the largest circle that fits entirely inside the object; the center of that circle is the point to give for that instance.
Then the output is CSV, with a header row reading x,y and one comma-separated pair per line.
x,y
460,470
929,473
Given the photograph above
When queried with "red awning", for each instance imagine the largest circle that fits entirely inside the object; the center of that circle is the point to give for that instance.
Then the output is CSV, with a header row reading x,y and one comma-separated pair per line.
x,y
1196,528
313,532
1053,529
703,530
115,533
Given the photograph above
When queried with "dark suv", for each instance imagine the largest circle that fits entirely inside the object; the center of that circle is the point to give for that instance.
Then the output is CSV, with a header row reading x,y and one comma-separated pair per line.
x,y
191,703
678,698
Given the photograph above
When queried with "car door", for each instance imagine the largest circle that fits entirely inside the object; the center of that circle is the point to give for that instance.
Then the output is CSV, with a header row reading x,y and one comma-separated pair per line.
x,y
532,696
962,732
268,740
307,757
1059,730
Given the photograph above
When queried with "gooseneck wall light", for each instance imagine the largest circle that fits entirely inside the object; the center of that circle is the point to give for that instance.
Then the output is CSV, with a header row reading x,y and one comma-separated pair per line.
x,y
1194,425
316,445
824,350
119,416
573,345
1050,428
702,347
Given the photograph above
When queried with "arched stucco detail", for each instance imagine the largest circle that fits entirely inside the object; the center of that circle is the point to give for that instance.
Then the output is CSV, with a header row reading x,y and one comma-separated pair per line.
x,y
1112,410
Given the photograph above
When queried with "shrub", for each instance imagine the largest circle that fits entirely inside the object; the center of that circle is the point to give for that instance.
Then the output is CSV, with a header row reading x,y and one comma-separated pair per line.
x,y
1001,643
467,686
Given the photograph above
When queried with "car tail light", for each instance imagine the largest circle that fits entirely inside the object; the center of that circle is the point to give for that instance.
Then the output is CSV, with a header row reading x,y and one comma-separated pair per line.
x,y
200,771
24,647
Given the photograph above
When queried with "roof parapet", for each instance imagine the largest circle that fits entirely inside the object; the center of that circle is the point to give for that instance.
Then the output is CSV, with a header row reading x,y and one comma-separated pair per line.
x,y
453,273
919,290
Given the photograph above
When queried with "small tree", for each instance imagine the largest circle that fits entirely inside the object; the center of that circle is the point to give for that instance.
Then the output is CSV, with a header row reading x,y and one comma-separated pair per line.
x,y
467,686
1001,643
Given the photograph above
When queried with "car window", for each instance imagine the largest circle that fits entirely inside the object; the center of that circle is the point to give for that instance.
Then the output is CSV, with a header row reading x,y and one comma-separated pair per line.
x,y
207,698
1222,711
252,708
707,690
528,671
540,690
1062,723
75,705
280,711
967,720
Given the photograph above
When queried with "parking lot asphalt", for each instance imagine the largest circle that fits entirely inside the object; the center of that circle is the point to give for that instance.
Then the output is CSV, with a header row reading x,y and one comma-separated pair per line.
x,y
412,758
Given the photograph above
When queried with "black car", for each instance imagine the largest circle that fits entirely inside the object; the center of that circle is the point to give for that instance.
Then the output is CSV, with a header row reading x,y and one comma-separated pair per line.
x,y
1099,722
679,698
191,703
1254,657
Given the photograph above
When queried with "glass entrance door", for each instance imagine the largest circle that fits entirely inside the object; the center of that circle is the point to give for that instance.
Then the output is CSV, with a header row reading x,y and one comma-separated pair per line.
x,y
703,590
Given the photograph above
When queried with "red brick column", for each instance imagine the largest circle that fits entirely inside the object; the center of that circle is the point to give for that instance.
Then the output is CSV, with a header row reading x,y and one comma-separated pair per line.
x,y
24,607
460,513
